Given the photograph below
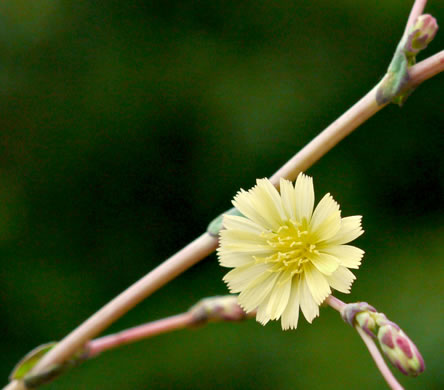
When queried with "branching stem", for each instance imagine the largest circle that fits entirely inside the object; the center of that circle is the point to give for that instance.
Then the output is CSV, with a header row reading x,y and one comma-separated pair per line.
x,y
426,69
175,265
335,303
326,140
141,332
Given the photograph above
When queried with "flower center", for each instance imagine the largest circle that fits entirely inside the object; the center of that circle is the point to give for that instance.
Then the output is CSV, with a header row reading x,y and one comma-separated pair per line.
x,y
293,247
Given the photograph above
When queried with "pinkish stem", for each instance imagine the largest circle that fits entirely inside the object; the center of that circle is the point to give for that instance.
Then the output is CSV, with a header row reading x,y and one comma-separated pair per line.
x,y
159,276
137,333
417,9
335,303
426,69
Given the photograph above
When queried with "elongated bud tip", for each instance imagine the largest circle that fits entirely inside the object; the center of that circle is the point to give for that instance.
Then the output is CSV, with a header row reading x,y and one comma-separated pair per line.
x,y
400,350
421,34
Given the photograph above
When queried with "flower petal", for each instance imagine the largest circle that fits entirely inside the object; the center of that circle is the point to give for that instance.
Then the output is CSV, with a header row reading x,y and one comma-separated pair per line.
x,y
326,220
290,315
243,242
262,204
242,202
349,256
279,296
234,259
317,284
341,280
325,263
308,306
255,293
288,195
234,238
304,194
350,230
236,222
273,195
262,315
240,277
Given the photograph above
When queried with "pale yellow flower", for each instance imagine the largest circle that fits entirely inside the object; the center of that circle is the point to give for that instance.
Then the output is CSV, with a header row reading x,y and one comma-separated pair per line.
x,y
285,255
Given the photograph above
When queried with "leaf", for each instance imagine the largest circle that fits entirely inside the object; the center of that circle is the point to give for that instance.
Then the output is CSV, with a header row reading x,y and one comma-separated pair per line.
x,y
28,362
215,225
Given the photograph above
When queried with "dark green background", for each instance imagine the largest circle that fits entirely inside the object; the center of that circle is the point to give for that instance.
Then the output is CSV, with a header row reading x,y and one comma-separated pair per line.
x,y
127,126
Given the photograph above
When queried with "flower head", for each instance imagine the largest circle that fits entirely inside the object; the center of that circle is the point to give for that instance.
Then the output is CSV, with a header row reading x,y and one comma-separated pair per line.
x,y
285,255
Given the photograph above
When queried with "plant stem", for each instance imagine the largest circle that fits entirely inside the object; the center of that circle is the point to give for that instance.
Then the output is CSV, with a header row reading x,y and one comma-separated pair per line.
x,y
144,331
426,69
175,265
15,385
335,303
379,360
350,120
417,9
321,144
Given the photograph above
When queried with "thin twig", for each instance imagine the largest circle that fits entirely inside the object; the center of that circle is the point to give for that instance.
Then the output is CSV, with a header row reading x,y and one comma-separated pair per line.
x,y
211,309
426,69
379,360
175,265
335,303
350,120
15,385
320,145
137,333
417,10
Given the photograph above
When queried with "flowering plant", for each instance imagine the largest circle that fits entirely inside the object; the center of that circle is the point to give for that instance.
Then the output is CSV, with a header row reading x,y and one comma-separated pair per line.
x,y
287,255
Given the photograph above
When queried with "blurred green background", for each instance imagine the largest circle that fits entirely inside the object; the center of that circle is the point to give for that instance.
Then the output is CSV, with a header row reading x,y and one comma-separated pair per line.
x,y
127,126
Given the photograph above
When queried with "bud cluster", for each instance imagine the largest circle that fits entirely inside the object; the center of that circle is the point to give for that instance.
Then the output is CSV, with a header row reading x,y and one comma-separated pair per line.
x,y
394,343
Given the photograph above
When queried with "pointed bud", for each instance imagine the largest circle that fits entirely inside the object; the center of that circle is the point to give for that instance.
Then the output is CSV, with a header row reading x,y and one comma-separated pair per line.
x,y
421,34
214,309
400,350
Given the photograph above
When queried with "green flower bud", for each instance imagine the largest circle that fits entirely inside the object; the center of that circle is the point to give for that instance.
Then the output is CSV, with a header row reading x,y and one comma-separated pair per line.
x,y
421,34
400,350
366,321
350,311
